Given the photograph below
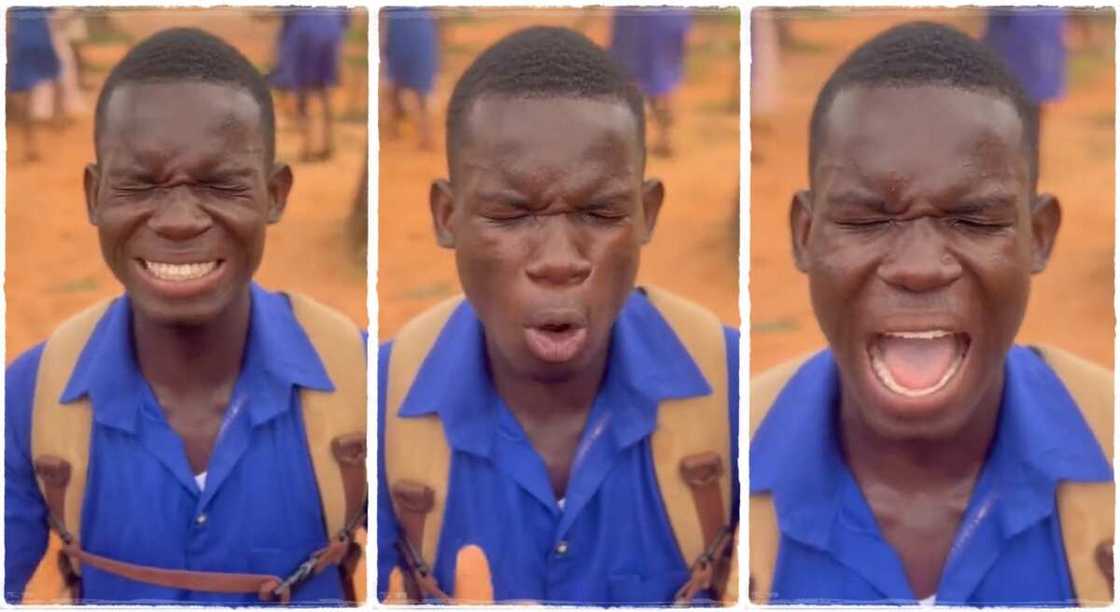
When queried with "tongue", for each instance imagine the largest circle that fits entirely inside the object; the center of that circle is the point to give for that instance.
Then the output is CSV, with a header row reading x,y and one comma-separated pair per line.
x,y
918,363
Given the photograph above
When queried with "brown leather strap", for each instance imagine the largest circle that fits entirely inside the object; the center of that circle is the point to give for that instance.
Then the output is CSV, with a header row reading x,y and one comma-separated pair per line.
x,y
702,472
414,502
350,453
55,474
212,582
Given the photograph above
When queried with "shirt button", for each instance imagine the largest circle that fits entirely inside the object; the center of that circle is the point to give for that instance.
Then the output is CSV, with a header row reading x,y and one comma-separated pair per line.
x,y
562,548
200,520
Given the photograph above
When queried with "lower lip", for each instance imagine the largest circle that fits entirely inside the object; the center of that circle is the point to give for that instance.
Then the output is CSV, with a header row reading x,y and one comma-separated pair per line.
x,y
182,289
556,347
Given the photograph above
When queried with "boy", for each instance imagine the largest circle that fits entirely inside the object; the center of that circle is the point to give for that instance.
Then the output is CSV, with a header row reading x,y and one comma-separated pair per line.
x,y
189,414
923,456
533,421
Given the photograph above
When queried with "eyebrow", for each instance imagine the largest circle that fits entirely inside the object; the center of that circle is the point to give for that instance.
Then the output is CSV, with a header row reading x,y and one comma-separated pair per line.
x,y
984,203
856,199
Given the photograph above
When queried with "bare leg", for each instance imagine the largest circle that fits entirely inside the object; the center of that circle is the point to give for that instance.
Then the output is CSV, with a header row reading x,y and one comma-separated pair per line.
x,y
304,125
20,104
663,121
328,124
427,142
395,112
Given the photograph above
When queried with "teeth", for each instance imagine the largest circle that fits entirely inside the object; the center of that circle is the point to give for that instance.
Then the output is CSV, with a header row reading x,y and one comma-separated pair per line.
x,y
179,272
922,335
888,380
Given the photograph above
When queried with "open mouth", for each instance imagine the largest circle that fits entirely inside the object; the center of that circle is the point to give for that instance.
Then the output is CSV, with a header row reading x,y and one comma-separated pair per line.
x,y
917,363
556,339
180,272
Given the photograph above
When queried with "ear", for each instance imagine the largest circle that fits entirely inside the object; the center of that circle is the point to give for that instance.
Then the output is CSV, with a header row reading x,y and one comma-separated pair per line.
x,y
653,194
800,224
441,200
279,186
90,179
1046,218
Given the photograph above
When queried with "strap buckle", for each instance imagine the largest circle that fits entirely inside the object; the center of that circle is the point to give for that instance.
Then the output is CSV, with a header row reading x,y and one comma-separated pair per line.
x,y
342,551
705,568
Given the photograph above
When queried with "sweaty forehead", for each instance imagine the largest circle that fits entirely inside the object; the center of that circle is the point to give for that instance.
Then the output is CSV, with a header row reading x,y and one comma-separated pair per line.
x,y
165,120
531,137
929,133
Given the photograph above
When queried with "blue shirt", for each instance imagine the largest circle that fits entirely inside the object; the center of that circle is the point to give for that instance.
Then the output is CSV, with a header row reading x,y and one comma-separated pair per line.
x,y
612,541
1009,547
260,510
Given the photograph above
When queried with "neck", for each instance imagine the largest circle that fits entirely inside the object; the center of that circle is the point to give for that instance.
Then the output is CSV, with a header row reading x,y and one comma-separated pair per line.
x,y
916,465
192,358
547,399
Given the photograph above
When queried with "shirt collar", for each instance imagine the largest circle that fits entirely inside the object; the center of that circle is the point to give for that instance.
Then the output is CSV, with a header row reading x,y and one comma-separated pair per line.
x,y
278,355
1042,439
647,364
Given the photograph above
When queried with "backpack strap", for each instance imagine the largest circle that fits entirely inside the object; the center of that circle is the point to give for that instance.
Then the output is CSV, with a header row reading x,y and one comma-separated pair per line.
x,y
417,457
764,534
61,433
1085,509
691,451
335,425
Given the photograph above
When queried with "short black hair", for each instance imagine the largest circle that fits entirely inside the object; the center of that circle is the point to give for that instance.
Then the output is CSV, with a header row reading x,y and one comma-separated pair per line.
x,y
542,62
190,54
924,53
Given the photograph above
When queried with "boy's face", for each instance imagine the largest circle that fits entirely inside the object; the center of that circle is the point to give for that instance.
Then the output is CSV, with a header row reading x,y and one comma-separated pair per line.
x,y
919,239
547,216
181,195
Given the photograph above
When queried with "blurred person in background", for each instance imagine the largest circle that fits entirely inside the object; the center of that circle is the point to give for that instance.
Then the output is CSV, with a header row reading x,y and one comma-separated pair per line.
x,y
308,58
411,50
32,64
1031,41
650,44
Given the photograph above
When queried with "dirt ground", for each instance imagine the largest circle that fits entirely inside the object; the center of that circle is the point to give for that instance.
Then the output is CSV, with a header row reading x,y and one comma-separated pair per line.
x,y
1072,301
695,249
54,267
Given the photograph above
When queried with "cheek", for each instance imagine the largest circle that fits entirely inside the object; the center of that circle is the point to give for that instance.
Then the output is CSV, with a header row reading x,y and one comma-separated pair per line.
x,y
838,266
1002,276
489,265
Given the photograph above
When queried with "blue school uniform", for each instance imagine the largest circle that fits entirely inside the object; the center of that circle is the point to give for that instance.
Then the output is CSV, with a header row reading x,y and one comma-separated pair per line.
x,y
1030,41
649,44
411,47
31,55
610,542
309,48
259,511
1009,548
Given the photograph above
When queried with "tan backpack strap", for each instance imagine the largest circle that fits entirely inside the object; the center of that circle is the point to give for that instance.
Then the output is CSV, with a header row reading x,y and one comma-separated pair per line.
x,y
417,455
335,422
62,432
1085,509
764,532
694,431
764,538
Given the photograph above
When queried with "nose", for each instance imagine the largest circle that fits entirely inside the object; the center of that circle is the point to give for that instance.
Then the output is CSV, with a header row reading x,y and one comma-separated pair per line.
x,y
178,215
557,257
918,259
